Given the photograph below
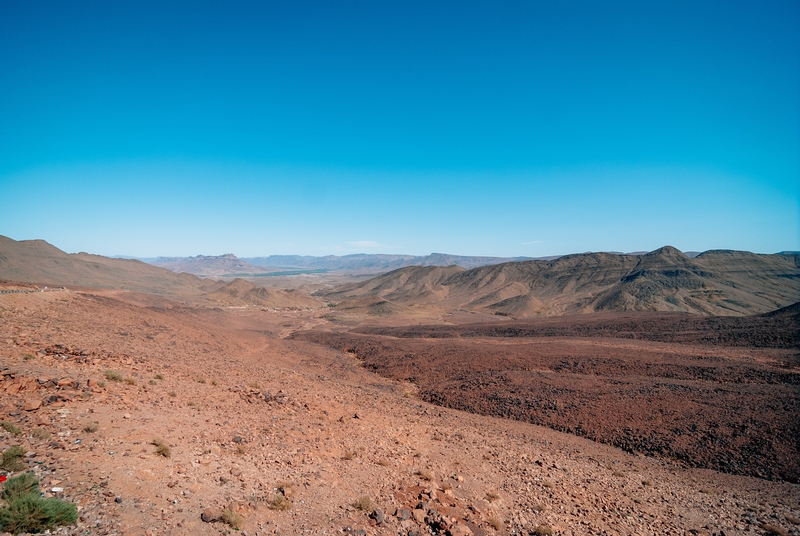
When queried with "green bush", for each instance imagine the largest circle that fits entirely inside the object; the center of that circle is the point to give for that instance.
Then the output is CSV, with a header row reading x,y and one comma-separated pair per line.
x,y
26,511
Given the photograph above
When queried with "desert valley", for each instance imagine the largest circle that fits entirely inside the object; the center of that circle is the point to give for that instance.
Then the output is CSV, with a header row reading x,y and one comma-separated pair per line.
x,y
653,393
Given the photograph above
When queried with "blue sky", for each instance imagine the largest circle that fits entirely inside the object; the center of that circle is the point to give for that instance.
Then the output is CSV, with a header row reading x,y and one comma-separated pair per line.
x,y
477,128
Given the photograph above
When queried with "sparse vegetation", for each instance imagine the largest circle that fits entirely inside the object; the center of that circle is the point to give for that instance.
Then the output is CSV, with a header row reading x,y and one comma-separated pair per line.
x,y
40,433
28,357
172,393
114,376
159,376
364,503
254,385
152,382
241,450
201,380
162,449
101,384
539,508
91,427
492,496
214,383
232,518
26,511
130,381
543,530
11,459
10,428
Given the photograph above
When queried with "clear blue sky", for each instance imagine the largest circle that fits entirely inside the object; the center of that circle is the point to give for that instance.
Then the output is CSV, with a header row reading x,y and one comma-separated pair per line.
x,y
481,128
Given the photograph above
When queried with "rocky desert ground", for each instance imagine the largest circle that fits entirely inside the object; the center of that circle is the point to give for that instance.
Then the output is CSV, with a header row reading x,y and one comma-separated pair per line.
x,y
157,417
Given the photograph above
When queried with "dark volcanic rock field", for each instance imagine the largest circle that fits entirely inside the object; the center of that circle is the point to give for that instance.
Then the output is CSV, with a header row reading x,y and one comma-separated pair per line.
x,y
720,393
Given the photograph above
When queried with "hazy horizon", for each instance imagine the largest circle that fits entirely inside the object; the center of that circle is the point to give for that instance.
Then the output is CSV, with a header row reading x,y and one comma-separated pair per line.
x,y
469,128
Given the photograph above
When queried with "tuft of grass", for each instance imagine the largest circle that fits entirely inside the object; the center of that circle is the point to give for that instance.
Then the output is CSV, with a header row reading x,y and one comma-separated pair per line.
x,y
492,496
425,475
162,449
101,384
26,511
172,393
254,385
214,383
540,507
495,523
11,459
543,530
152,382
91,427
130,381
232,518
40,433
364,503
241,450
28,357
201,380
280,503
10,428
159,376
113,375
773,529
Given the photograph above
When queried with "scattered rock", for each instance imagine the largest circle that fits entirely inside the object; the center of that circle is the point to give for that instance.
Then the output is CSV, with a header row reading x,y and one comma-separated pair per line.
x,y
211,515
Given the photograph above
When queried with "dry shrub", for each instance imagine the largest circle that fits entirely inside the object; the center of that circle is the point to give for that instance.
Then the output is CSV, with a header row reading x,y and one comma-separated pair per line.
x,y
11,459
364,503
40,433
130,381
113,376
10,428
495,522
280,503
162,449
201,380
539,507
774,529
91,427
232,518
425,475
159,376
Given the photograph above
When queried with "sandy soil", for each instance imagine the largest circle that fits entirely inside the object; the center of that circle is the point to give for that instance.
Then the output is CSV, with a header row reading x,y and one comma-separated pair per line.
x,y
247,413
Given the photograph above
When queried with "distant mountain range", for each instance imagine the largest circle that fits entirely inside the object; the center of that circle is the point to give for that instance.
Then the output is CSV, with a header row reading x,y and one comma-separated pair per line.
x,y
718,282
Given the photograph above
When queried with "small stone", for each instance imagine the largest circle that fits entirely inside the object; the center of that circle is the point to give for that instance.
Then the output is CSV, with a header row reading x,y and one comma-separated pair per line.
x,y
32,404
238,439
211,515
66,382
403,514
118,500
126,416
235,471
377,515
460,530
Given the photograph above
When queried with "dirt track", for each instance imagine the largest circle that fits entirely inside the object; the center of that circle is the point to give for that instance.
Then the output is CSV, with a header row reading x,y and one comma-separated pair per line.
x,y
720,393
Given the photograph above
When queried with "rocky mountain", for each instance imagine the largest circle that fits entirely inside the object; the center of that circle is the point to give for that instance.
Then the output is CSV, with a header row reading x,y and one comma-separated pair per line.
x,y
36,261
717,282
209,265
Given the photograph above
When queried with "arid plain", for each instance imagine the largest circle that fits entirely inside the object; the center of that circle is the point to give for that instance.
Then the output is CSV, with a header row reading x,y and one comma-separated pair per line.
x,y
409,403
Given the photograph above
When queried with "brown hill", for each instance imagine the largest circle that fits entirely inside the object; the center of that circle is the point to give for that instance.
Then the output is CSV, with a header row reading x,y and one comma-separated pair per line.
x,y
36,261
714,283
241,292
